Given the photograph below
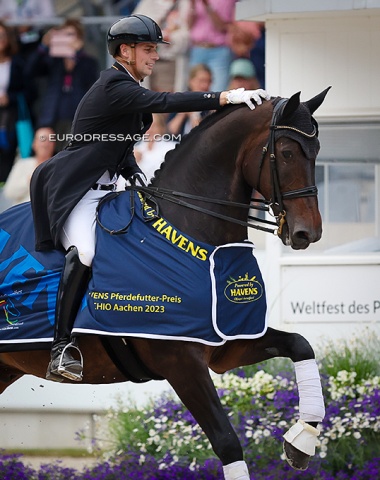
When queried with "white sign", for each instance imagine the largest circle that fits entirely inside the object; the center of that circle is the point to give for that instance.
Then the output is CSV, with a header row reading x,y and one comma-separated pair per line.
x,y
330,293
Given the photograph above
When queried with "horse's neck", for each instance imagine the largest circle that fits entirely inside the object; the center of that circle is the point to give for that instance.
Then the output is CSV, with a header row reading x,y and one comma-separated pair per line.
x,y
206,165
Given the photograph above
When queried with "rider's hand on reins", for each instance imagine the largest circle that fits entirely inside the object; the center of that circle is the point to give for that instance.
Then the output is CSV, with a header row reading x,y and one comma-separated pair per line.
x,y
240,95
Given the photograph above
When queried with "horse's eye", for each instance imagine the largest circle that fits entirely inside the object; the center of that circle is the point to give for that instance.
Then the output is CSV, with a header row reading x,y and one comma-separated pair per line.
x,y
287,154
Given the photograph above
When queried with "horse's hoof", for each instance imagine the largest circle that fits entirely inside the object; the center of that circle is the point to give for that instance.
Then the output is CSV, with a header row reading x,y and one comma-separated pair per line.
x,y
296,459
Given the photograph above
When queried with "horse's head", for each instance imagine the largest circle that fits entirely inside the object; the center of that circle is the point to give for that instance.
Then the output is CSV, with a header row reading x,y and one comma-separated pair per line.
x,y
287,172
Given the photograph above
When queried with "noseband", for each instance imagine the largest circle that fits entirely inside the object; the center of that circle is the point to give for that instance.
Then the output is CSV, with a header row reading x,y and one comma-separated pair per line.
x,y
277,195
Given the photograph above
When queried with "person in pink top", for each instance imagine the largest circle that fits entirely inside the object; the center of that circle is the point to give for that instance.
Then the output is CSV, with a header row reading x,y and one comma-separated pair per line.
x,y
209,21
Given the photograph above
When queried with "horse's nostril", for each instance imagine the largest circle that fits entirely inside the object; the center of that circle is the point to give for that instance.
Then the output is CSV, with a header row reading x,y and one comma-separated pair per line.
x,y
302,235
300,240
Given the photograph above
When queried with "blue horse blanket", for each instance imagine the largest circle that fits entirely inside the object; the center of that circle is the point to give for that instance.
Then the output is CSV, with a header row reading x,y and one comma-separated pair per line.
x,y
152,281
28,281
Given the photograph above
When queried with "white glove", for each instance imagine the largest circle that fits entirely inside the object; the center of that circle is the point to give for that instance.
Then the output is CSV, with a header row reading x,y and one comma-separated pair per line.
x,y
240,95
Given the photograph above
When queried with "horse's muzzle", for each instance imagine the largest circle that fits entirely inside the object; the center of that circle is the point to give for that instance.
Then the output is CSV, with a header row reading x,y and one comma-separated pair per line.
x,y
299,238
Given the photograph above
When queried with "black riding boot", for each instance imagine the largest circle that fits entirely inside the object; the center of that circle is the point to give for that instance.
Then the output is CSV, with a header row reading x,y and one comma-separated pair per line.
x,y
71,289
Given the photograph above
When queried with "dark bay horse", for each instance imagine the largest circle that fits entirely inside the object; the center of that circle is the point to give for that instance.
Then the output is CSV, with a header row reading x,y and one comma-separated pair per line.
x,y
271,149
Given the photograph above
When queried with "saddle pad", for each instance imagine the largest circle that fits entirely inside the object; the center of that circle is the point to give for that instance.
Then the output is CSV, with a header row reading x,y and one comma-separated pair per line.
x,y
157,282
28,281
153,281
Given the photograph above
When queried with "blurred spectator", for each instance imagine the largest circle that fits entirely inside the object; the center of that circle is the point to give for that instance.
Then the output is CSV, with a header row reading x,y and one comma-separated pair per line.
x,y
242,37
169,72
26,9
200,78
16,188
243,74
150,154
70,72
257,55
208,22
28,34
125,7
29,38
11,85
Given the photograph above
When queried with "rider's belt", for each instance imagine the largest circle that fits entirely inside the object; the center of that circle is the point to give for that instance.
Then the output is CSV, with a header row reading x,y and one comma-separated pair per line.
x,y
99,186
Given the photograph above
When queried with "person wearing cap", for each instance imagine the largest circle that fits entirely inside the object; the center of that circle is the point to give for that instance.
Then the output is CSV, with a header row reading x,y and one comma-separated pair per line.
x,y
65,190
243,74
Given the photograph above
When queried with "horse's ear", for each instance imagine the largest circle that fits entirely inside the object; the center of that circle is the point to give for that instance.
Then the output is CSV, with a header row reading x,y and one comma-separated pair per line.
x,y
291,106
316,101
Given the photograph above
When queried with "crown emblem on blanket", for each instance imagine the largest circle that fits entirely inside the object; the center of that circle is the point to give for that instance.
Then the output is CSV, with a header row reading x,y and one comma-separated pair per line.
x,y
244,289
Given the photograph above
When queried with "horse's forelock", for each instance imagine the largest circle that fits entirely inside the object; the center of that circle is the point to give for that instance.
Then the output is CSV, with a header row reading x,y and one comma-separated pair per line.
x,y
302,120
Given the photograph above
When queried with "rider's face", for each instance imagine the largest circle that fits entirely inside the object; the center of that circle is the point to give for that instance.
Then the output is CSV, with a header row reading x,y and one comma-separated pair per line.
x,y
145,56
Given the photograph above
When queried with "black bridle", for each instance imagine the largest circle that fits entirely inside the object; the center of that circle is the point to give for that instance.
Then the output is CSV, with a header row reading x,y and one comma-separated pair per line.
x,y
181,198
277,195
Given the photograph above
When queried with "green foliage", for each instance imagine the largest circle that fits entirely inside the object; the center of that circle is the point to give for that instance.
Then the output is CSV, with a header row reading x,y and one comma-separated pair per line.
x,y
360,354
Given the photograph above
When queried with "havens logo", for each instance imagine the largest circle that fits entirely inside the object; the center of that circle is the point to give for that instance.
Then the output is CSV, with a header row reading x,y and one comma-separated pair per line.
x,y
243,290
175,237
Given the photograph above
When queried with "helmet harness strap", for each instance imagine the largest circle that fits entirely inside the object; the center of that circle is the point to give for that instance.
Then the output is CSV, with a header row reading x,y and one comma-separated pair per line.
x,y
133,55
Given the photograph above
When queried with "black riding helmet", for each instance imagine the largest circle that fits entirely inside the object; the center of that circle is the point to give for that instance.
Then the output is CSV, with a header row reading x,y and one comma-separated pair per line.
x,y
133,29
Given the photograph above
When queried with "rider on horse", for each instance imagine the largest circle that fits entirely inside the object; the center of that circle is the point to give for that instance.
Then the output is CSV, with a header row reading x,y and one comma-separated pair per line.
x,y
65,190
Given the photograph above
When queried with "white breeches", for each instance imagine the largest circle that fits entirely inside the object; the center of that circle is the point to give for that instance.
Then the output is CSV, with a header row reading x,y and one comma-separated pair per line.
x,y
79,228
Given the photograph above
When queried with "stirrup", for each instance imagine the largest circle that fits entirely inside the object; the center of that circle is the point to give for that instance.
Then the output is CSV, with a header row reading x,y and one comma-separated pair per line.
x,y
76,376
52,376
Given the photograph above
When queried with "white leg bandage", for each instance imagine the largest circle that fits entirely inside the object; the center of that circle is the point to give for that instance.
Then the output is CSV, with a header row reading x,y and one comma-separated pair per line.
x,y
236,471
311,404
303,437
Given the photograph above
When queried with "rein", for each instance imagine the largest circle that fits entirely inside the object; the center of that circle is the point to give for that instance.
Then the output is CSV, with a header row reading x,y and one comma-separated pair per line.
x,y
152,193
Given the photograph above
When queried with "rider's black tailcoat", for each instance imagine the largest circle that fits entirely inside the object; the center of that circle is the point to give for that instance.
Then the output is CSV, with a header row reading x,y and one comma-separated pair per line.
x,y
115,105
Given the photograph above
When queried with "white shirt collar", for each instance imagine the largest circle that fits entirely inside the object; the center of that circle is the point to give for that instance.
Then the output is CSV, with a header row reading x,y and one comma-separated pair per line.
x,y
129,73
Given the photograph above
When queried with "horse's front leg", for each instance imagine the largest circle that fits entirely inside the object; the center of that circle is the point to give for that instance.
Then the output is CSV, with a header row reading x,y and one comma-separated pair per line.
x,y
190,378
301,438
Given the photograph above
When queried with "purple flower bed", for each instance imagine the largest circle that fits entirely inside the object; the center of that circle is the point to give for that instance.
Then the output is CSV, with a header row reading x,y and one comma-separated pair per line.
x,y
11,468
